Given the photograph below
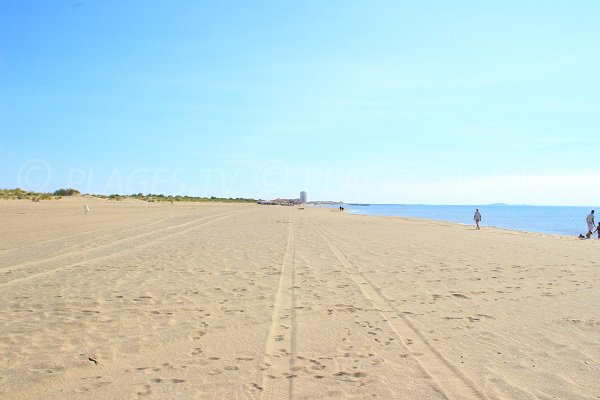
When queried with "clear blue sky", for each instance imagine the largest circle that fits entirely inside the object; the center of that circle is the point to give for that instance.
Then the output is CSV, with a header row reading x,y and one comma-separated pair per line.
x,y
439,102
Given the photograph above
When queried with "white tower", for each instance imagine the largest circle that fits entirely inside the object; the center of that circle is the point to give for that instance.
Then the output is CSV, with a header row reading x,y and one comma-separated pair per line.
x,y
302,197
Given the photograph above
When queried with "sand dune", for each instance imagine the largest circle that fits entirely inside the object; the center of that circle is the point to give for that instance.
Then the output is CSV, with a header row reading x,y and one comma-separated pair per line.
x,y
235,301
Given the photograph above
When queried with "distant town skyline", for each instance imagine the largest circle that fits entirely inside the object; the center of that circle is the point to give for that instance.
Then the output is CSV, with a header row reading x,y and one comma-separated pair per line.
x,y
372,102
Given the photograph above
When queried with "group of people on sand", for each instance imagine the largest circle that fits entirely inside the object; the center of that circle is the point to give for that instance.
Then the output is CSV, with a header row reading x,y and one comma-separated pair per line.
x,y
589,220
590,225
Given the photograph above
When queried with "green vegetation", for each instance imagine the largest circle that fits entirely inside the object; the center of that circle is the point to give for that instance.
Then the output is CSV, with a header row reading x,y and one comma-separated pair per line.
x,y
161,197
66,192
19,194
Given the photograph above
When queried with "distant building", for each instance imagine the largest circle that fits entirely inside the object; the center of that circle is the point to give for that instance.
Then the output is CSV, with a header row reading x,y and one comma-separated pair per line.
x,y
285,202
302,197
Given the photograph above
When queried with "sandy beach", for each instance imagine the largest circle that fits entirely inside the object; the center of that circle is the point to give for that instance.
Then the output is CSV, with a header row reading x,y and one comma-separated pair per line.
x,y
140,300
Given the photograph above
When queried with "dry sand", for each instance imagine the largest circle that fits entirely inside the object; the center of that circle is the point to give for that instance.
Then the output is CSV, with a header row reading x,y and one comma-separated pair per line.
x,y
223,301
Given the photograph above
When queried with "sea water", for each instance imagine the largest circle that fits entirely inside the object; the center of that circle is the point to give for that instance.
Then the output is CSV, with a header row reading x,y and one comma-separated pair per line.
x,y
559,220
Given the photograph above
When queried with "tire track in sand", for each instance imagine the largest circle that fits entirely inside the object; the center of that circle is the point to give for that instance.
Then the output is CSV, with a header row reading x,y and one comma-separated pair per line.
x,y
144,222
217,217
127,228
114,242
446,377
278,376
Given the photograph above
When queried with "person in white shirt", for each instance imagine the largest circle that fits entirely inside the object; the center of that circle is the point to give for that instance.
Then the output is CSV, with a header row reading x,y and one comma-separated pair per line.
x,y
590,222
477,218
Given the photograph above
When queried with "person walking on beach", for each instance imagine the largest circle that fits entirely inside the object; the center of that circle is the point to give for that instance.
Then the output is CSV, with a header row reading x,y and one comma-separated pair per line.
x,y
477,218
590,223
598,230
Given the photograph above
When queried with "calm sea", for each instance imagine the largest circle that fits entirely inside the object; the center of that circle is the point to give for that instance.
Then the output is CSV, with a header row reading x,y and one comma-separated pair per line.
x,y
546,219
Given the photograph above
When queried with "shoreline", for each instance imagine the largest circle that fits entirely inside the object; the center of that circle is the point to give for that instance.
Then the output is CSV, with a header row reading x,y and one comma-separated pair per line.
x,y
541,230
483,227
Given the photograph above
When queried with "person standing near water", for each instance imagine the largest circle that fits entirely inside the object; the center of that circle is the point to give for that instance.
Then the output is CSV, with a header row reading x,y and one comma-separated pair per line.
x,y
477,218
590,223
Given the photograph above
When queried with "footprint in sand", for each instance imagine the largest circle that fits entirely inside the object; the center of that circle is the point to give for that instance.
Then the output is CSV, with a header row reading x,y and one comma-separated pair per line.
x,y
197,351
355,374
144,391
